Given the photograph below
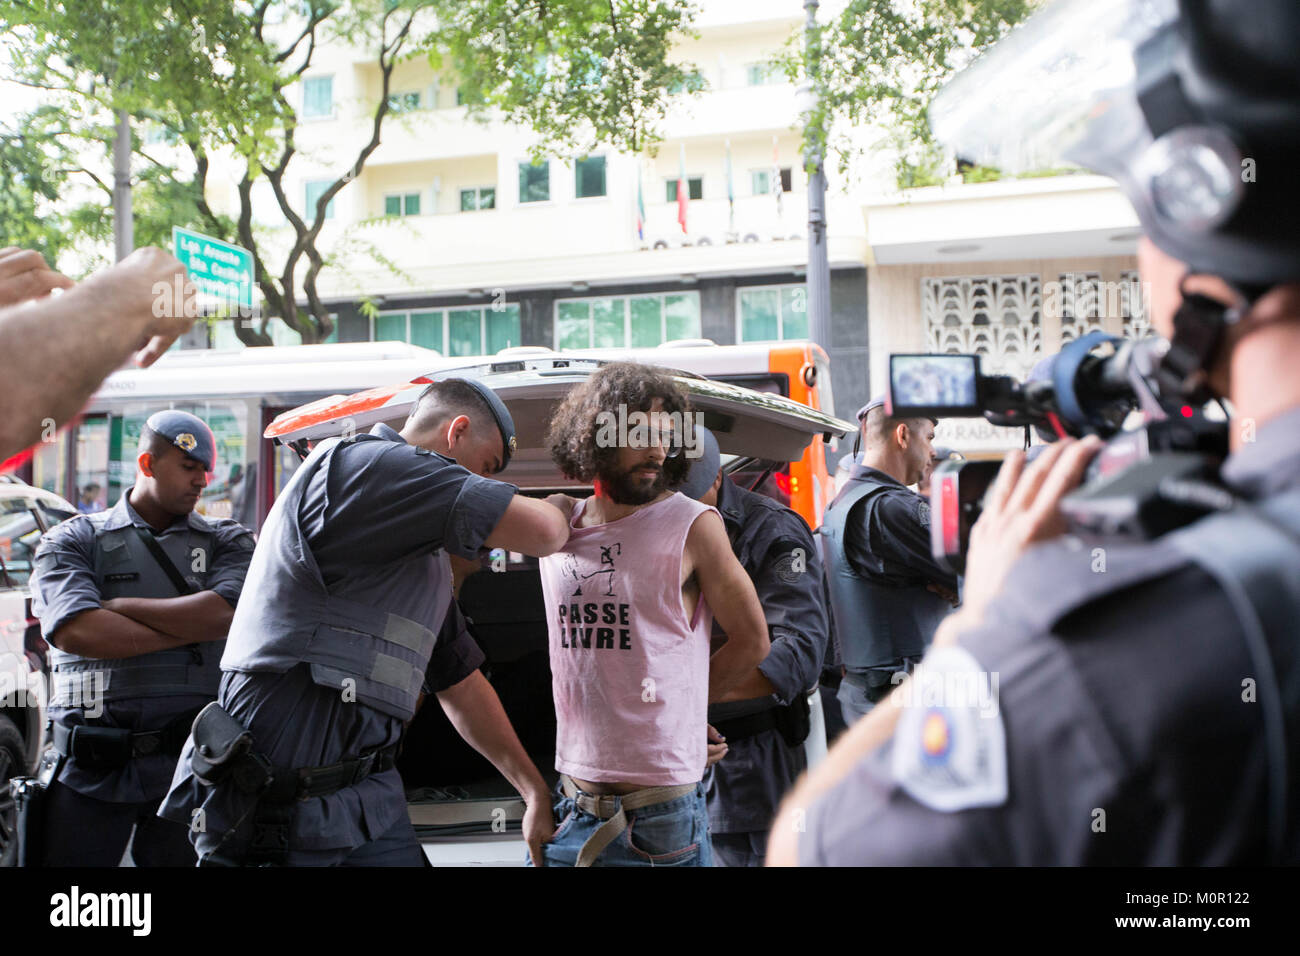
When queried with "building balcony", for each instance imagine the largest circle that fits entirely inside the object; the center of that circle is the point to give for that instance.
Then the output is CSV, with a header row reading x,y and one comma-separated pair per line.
x,y
771,107
590,240
1057,216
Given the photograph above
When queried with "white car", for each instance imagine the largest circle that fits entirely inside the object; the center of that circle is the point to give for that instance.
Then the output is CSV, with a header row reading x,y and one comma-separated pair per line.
x,y
26,513
463,810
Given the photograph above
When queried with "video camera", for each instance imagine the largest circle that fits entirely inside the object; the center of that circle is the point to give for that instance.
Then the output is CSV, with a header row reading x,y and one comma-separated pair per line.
x,y
1145,481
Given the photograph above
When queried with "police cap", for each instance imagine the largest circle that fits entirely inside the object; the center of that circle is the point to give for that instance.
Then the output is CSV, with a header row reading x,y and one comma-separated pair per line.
x,y
703,470
188,433
500,414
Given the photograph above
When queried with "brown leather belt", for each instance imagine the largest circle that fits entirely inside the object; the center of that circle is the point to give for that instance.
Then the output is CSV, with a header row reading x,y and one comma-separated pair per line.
x,y
612,809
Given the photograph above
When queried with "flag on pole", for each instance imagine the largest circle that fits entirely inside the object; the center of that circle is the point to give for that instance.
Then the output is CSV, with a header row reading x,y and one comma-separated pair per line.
x,y
776,180
640,206
682,197
731,193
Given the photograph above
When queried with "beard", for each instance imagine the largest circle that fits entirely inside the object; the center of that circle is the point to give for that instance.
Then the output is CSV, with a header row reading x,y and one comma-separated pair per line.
x,y
626,488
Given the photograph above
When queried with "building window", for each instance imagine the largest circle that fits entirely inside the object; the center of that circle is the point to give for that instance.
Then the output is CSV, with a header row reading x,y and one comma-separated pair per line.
x,y
224,335
473,330
534,182
690,83
762,74
315,188
318,97
478,197
773,313
638,321
402,204
589,177
404,102
694,188
460,97
761,180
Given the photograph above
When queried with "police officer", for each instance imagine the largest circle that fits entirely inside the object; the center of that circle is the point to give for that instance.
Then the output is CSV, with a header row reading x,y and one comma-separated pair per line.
x,y
347,623
941,454
135,602
1146,715
762,723
887,594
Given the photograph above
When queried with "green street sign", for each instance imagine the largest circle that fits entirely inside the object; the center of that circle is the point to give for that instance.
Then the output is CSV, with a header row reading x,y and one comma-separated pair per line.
x,y
222,271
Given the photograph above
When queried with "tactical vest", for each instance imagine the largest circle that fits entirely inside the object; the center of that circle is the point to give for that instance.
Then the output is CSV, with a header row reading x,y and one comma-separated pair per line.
x,y
124,567
874,624
375,653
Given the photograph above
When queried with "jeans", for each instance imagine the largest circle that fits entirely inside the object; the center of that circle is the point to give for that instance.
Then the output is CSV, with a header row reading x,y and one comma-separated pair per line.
x,y
674,833
859,693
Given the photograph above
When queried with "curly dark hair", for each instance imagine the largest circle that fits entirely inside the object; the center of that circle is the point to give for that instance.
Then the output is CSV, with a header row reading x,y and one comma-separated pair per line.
x,y
574,424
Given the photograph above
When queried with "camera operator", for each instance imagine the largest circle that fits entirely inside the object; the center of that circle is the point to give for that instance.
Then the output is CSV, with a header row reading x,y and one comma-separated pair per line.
x,y
887,594
1147,714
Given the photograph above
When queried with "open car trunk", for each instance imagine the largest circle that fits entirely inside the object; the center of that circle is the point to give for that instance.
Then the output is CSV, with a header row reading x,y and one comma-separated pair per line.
x,y
445,777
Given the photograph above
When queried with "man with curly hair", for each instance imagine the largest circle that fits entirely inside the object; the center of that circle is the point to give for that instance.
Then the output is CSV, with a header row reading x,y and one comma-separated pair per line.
x,y
630,602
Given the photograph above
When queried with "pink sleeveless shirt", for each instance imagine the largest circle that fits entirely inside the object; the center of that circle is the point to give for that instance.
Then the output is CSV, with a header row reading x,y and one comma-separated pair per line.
x,y
629,670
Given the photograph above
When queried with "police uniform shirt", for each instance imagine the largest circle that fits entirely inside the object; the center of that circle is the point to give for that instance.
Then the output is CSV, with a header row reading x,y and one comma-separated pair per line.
x,y
894,548
1122,731
385,502
776,549
63,586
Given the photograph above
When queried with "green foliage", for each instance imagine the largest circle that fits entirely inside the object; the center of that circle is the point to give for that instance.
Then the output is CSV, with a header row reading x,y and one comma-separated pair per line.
x,y
881,62
214,75
31,171
579,72
981,174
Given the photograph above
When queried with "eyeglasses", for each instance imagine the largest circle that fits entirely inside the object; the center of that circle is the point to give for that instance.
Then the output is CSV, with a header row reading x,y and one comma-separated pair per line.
x,y
670,441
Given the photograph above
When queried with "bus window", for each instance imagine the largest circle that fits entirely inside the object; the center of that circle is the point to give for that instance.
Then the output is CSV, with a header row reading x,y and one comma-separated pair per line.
x,y
50,465
282,461
91,462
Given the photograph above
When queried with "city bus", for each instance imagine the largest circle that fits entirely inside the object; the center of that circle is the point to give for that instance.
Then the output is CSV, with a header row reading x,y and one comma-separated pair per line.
x,y
240,392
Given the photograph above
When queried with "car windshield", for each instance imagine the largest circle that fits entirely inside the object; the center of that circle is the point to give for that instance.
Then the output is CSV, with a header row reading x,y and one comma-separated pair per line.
x,y
19,536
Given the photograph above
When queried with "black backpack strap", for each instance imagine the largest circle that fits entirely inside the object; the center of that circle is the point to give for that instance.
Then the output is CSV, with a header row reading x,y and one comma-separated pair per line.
x,y
159,555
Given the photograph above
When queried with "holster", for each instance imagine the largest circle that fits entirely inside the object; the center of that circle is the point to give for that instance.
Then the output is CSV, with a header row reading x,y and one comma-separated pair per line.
x,y
223,750
794,721
97,748
30,795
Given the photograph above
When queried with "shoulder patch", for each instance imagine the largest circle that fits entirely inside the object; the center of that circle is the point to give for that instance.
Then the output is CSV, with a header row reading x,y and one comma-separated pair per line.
x,y
950,750
789,558
923,511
